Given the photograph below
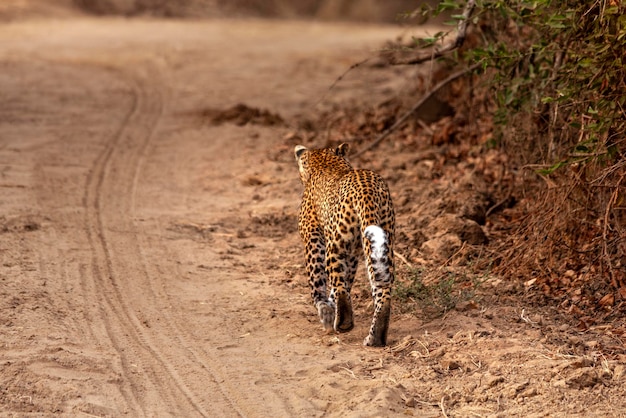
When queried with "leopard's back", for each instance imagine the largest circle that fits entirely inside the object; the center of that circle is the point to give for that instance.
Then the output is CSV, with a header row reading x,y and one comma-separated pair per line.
x,y
339,205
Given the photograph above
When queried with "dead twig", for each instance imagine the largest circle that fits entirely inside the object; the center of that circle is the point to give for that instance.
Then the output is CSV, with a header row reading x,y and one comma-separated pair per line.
x,y
403,259
429,56
442,406
425,127
498,204
526,319
436,53
350,372
341,77
415,107
605,228
425,348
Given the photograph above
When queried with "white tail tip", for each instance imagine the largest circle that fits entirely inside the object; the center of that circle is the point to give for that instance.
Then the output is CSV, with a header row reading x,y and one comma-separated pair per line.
x,y
377,237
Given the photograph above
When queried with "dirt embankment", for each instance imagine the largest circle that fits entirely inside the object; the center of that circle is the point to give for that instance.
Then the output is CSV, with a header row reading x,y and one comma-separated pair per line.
x,y
150,260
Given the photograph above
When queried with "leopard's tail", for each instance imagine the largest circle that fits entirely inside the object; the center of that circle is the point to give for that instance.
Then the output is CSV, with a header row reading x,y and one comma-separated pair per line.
x,y
380,253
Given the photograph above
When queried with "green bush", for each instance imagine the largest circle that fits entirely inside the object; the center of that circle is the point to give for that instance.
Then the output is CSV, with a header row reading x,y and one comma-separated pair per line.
x,y
561,62
558,81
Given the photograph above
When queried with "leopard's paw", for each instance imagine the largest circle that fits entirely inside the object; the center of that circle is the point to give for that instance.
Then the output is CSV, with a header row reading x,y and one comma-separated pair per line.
x,y
327,314
343,317
372,341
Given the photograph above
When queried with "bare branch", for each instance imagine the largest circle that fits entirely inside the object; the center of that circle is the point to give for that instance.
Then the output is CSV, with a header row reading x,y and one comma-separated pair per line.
x,y
438,52
341,77
415,107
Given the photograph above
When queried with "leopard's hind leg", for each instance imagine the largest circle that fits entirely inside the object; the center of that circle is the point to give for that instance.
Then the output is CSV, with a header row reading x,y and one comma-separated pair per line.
x,y
378,249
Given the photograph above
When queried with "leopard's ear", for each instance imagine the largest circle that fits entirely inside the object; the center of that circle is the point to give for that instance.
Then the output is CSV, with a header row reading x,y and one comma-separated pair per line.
x,y
342,150
298,150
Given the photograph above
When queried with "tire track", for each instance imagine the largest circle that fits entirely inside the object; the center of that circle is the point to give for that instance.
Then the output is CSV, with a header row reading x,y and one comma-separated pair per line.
x,y
161,364
157,360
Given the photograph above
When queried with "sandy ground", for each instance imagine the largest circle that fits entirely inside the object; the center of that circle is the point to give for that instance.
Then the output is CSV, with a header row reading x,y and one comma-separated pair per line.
x,y
150,263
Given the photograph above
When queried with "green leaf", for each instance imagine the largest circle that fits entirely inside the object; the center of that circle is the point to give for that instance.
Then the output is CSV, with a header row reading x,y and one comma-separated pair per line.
x,y
553,168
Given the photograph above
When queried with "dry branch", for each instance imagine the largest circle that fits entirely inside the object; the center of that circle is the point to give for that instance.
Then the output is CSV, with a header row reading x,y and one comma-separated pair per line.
x,y
416,107
431,55
438,52
341,77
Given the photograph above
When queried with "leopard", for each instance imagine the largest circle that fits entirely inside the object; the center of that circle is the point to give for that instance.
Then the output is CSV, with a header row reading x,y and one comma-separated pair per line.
x,y
345,213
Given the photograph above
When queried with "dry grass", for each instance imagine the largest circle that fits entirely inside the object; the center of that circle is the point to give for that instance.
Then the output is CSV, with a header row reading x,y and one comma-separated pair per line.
x,y
570,236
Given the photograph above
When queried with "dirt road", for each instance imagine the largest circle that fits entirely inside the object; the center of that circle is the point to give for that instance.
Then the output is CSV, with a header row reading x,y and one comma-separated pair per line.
x,y
150,260
140,259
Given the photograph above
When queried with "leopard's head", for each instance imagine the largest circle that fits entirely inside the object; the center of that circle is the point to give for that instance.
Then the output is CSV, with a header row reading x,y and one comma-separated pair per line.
x,y
320,159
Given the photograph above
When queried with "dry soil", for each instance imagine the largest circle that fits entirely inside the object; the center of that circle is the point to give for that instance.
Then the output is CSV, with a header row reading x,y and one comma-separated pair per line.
x,y
150,263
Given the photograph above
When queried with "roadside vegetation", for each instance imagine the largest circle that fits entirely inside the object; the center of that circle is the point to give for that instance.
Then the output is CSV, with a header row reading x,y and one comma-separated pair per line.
x,y
529,142
548,80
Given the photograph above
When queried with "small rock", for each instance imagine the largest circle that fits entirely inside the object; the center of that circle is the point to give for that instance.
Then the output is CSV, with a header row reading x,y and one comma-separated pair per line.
x,y
573,340
473,234
467,229
521,386
466,306
442,247
450,364
494,380
591,344
529,392
580,363
439,352
582,378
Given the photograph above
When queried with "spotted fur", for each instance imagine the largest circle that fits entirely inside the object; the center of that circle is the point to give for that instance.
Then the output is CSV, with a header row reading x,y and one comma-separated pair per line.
x,y
345,213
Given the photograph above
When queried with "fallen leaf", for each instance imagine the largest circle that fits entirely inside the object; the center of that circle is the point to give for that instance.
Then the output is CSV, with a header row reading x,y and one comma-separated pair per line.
x,y
607,300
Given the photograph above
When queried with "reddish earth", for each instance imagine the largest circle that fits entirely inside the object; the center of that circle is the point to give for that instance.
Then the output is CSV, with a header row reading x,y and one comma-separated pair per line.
x,y
150,259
